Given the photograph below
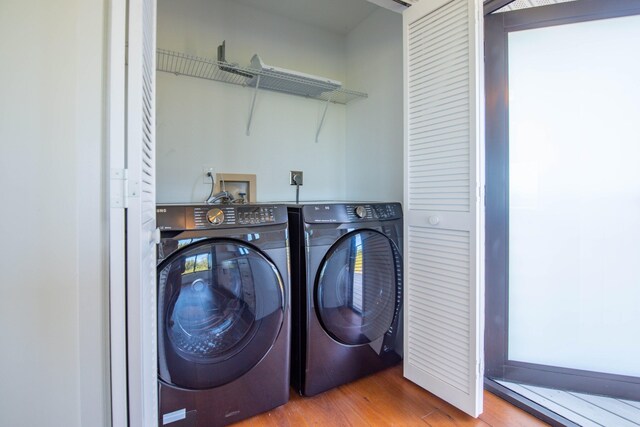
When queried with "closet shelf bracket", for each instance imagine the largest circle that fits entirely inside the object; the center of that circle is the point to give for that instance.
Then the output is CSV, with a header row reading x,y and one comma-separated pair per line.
x,y
253,103
324,113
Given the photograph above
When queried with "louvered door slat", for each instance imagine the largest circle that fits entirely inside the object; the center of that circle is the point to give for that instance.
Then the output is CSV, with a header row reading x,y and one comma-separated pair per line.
x,y
435,99
141,222
443,347
437,151
430,141
437,132
452,135
438,20
454,115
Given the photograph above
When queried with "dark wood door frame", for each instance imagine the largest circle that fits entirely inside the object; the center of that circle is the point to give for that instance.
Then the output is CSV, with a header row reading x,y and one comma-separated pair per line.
x,y
497,365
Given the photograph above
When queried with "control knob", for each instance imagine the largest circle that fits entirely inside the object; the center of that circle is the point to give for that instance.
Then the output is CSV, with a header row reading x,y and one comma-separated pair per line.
x,y
360,212
215,216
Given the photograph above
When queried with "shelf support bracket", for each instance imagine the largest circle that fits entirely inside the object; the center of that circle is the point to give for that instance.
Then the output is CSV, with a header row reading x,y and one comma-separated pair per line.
x,y
253,103
324,113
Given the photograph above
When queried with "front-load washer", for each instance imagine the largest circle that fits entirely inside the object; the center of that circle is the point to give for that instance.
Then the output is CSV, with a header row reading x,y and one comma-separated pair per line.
x,y
346,284
223,313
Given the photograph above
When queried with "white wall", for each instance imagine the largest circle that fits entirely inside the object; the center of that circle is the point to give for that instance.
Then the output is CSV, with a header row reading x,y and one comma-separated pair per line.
x,y
202,123
374,127
53,285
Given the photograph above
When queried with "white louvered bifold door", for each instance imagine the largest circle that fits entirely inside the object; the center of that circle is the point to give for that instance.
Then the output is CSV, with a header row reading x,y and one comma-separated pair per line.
x,y
141,221
444,219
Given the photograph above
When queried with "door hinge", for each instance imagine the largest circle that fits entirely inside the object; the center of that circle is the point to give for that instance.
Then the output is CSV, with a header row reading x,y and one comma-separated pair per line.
x,y
119,190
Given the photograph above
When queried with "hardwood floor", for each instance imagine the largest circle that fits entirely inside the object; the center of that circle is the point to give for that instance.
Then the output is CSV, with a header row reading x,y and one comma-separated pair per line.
x,y
387,399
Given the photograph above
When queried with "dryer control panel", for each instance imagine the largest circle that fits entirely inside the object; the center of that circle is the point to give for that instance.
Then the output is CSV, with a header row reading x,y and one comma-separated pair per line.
x,y
201,217
351,212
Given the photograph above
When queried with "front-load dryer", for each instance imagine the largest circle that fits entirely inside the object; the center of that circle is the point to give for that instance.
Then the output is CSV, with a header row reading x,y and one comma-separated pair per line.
x,y
346,284
223,313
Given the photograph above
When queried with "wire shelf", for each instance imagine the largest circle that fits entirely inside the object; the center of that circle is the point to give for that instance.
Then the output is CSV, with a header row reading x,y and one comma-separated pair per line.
x,y
204,68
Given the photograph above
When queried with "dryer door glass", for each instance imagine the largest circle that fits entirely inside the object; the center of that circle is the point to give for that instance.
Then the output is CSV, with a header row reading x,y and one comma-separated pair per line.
x,y
358,287
220,308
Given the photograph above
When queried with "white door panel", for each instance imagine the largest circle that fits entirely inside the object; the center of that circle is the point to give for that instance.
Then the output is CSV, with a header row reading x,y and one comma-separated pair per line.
x,y
141,223
444,219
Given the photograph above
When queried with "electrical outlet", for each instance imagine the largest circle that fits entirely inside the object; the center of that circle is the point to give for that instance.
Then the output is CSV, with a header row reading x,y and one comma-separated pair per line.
x,y
205,175
295,177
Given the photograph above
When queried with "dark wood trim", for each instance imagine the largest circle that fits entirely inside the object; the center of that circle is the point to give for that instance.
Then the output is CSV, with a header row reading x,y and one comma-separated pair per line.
x,y
527,405
618,386
497,195
497,365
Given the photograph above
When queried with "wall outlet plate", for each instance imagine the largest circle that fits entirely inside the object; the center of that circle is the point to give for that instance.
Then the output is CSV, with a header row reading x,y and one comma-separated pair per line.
x,y
293,174
205,177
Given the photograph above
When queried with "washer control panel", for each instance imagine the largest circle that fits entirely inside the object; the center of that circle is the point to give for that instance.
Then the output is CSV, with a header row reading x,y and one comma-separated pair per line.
x,y
209,217
360,211
215,216
255,215
199,217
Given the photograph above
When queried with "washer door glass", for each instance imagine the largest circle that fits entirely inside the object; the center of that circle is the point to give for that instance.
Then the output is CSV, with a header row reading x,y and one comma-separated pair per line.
x,y
220,309
357,289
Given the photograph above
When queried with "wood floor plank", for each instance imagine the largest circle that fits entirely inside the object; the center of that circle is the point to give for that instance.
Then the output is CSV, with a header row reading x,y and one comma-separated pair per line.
x,y
286,415
407,395
386,399
498,412
443,408
439,418
328,409
371,396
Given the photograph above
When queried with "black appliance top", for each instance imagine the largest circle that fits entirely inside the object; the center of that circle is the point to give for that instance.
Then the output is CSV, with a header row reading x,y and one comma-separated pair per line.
x,y
202,217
